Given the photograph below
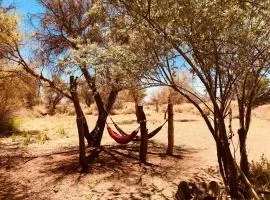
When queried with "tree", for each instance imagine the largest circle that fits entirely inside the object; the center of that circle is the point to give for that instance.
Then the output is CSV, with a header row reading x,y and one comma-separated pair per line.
x,y
8,30
207,35
82,37
15,85
89,38
53,98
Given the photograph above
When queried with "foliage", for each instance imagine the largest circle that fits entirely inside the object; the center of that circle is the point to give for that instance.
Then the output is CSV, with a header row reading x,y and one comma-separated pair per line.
x,y
85,94
15,86
263,92
8,31
221,42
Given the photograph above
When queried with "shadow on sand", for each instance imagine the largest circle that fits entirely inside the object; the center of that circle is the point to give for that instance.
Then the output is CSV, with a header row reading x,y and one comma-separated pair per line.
x,y
118,165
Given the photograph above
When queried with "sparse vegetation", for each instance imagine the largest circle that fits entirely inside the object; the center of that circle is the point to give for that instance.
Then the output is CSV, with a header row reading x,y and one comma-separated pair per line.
x,y
195,67
260,174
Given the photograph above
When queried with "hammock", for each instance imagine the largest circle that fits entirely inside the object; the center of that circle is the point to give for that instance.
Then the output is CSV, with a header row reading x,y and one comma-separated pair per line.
x,y
153,133
123,133
137,138
120,138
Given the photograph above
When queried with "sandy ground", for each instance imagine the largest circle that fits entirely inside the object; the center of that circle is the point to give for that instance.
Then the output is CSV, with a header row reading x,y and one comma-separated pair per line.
x,y
49,170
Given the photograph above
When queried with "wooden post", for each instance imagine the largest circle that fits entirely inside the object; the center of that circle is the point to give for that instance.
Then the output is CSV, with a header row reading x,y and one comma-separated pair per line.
x,y
144,137
170,129
80,123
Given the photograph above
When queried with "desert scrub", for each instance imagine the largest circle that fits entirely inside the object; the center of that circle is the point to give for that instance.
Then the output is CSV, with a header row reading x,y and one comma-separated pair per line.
x,y
27,137
260,174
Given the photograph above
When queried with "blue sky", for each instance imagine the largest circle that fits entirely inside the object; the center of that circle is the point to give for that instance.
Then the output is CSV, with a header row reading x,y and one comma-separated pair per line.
x,y
24,8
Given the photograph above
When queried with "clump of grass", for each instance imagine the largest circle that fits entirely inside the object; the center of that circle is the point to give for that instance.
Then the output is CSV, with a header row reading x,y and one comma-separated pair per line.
x,y
42,138
61,131
26,138
260,174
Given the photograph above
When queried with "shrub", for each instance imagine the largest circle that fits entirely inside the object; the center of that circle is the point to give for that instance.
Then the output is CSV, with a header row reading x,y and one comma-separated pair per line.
x,y
260,174
14,88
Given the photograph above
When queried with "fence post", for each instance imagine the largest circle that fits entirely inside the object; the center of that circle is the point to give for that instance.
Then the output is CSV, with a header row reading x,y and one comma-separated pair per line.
x,y
170,129
144,137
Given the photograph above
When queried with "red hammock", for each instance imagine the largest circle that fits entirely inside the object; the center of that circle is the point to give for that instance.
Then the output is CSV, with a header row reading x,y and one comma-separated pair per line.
x,y
122,139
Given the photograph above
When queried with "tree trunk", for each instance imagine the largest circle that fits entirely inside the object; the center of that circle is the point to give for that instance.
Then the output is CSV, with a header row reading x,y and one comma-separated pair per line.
x,y
80,123
144,137
157,107
227,166
51,109
97,132
243,152
170,130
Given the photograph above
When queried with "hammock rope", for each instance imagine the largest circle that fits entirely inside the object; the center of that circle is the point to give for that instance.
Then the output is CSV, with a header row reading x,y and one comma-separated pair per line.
x,y
154,132
123,133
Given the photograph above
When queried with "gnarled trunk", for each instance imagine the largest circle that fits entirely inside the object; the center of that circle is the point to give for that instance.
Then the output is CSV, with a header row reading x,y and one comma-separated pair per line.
x,y
97,132
80,123
103,110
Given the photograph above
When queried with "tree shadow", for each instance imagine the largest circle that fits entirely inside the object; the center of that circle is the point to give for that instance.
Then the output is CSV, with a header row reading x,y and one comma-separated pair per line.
x,y
10,189
118,166
6,129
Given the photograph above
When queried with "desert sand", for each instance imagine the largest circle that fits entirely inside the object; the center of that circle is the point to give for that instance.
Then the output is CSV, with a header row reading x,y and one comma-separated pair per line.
x,y
49,170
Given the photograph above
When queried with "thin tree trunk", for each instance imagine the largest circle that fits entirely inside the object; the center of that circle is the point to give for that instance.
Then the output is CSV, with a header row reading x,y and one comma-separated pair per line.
x,y
170,130
80,123
144,137
243,152
242,135
157,107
